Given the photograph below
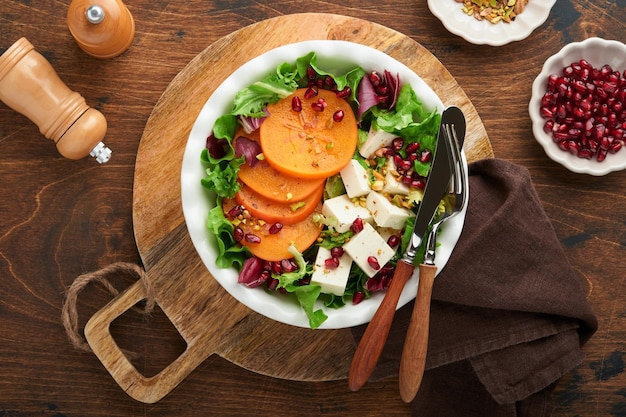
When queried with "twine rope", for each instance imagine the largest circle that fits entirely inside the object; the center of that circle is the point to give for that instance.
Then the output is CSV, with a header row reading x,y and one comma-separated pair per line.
x,y
69,314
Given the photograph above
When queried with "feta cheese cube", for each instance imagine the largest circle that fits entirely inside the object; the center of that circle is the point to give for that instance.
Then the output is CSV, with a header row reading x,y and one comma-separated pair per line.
x,y
342,212
393,186
368,243
332,281
355,179
375,139
385,213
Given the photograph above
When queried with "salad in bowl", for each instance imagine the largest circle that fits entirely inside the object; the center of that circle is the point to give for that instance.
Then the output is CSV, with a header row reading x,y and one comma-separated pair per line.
x,y
302,176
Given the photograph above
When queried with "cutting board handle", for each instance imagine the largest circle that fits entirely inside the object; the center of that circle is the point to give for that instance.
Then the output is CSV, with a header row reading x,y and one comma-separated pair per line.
x,y
139,387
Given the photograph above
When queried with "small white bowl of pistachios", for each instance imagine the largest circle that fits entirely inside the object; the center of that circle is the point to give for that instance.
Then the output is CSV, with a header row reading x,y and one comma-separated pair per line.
x,y
507,21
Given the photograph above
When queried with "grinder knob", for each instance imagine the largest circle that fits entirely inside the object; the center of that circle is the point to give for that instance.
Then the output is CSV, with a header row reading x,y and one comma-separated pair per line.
x,y
101,28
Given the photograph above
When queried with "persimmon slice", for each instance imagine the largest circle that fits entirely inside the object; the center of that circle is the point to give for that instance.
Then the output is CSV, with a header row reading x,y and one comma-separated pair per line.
x,y
275,247
274,184
310,143
270,211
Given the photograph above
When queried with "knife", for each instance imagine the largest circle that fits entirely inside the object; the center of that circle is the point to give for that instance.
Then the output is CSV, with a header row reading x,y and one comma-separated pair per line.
x,y
371,345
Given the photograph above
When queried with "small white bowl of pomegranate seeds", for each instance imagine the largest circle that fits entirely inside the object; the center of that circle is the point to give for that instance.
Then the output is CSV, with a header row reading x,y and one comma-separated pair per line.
x,y
499,27
578,106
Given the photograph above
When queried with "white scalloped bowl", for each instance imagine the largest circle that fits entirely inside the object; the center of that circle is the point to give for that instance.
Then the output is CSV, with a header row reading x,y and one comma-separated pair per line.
x,y
482,32
598,52
339,56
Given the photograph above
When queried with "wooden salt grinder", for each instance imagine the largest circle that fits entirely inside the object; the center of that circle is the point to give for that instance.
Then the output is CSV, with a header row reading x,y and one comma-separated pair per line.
x,y
101,28
30,86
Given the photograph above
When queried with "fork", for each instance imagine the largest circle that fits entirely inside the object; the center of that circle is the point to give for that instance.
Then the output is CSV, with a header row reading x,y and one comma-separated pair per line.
x,y
415,347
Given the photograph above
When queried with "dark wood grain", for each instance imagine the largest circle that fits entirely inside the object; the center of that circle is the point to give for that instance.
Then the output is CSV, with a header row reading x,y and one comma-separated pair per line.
x,y
61,218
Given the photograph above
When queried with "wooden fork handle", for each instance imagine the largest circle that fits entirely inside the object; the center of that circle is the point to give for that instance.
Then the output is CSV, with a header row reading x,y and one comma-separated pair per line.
x,y
371,345
415,347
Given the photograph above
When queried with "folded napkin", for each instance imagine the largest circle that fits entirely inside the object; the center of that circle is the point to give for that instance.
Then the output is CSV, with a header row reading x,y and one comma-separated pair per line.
x,y
508,313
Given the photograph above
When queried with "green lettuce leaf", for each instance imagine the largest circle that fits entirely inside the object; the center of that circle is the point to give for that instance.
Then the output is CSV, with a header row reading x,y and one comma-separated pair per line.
x,y
229,253
251,100
222,178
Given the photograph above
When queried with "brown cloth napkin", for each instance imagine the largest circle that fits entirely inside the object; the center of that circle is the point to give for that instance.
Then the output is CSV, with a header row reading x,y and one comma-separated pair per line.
x,y
508,313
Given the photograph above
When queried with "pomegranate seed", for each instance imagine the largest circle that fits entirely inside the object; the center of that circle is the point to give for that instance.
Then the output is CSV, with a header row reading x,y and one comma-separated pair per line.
x,y
310,93
585,153
275,268
357,225
382,90
235,211
357,297
615,146
337,252
310,73
252,238
393,241
412,147
288,266
373,262
317,107
345,92
271,284
397,144
238,234
296,104
404,165
338,116
425,156
275,228
418,183
331,263
375,78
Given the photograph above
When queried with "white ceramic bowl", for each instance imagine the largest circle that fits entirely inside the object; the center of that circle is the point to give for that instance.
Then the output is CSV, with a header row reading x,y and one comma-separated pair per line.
x,y
597,52
482,32
333,56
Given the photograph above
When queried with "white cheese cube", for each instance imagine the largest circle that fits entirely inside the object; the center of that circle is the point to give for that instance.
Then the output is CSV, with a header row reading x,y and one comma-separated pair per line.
x,y
332,281
393,186
375,139
342,212
368,243
385,213
355,179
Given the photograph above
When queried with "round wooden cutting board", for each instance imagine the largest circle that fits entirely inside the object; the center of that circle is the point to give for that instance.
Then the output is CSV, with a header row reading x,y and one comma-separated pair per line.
x,y
207,317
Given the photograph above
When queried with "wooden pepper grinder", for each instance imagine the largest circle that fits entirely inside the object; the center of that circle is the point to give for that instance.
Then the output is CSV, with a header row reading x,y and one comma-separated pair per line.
x,y
101,28
30,86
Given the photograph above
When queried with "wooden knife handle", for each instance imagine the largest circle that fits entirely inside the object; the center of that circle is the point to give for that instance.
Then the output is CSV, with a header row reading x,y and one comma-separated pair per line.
x,y
416,343
375,336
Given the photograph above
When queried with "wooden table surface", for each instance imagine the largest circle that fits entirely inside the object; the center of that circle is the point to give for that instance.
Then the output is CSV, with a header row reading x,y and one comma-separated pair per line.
x,y
62,218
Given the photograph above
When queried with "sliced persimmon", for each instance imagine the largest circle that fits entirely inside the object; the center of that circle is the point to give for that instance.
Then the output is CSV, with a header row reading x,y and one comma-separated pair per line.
x,y
273,184
270,211
314,141
275,247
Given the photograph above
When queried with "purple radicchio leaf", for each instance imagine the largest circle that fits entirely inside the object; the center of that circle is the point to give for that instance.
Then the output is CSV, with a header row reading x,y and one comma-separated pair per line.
x,y
247,148
218,148
393,83
250,274
366,95
250,124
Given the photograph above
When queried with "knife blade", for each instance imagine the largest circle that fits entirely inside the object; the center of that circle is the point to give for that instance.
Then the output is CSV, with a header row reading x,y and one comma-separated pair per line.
x,y
371,344
436,187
